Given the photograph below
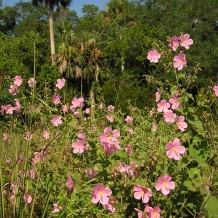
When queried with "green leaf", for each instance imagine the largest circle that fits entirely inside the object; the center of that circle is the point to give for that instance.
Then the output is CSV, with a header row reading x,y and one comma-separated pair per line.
x,y
212,207
189,185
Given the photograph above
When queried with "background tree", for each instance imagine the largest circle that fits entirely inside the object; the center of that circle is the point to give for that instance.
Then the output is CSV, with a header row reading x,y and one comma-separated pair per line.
x,y
50,4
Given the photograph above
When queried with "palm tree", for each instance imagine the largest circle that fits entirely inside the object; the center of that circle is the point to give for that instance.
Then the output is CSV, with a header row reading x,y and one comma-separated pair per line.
x,y
51,4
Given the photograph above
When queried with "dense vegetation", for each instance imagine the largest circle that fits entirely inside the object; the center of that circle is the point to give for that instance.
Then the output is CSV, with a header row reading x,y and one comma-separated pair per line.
x,y
89,116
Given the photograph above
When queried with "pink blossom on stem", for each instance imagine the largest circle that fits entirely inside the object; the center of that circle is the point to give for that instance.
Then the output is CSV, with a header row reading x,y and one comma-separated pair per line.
x,y
129,119
18,80
179,61
77,102
174,101
153,56
60,83
142,193
92,172
185,41
32,82
100,194
27,198
154,127
87,110
13,89
153,212
128,149
17,105
165,184
182,125
81,137
9,109
32,174
28,136
46,134
69,182
57,208
101,105
78,147
5,137
174,43
37,157
215,89
140,213
56,99
158,95
174,149
109,207
65,108
169,116
110,118
56,120
163,106
110,108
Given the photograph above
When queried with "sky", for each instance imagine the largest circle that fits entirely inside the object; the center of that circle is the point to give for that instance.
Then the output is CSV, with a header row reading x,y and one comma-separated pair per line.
x,y
76,5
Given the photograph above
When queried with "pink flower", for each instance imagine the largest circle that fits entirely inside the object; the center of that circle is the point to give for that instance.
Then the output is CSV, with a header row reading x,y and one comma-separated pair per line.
x,y
100,194
122,168
153,56
128,149
179,61
37,157
165,184
142,193
27,198
101,105
154,127
185,41
109,136
140,213
169,116
92,173
5,137
110,208
110,108
181,124
9,109
32,174
65,109
153,212
158,95
57,208
163,106
215,89
18,80
110,118
174,43
60,83
77,102
56,120
56,99
131,131
13,89
28,136
129,119
69,182
17,105
46,134
78,147
32,82
174,101
174,149
87,111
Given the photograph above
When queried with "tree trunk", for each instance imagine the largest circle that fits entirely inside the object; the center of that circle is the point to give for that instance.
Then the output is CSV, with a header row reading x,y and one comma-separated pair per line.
x,y
51,30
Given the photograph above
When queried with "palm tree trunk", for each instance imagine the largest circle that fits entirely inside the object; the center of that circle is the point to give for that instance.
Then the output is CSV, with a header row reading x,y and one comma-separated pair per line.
x,y
51,30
